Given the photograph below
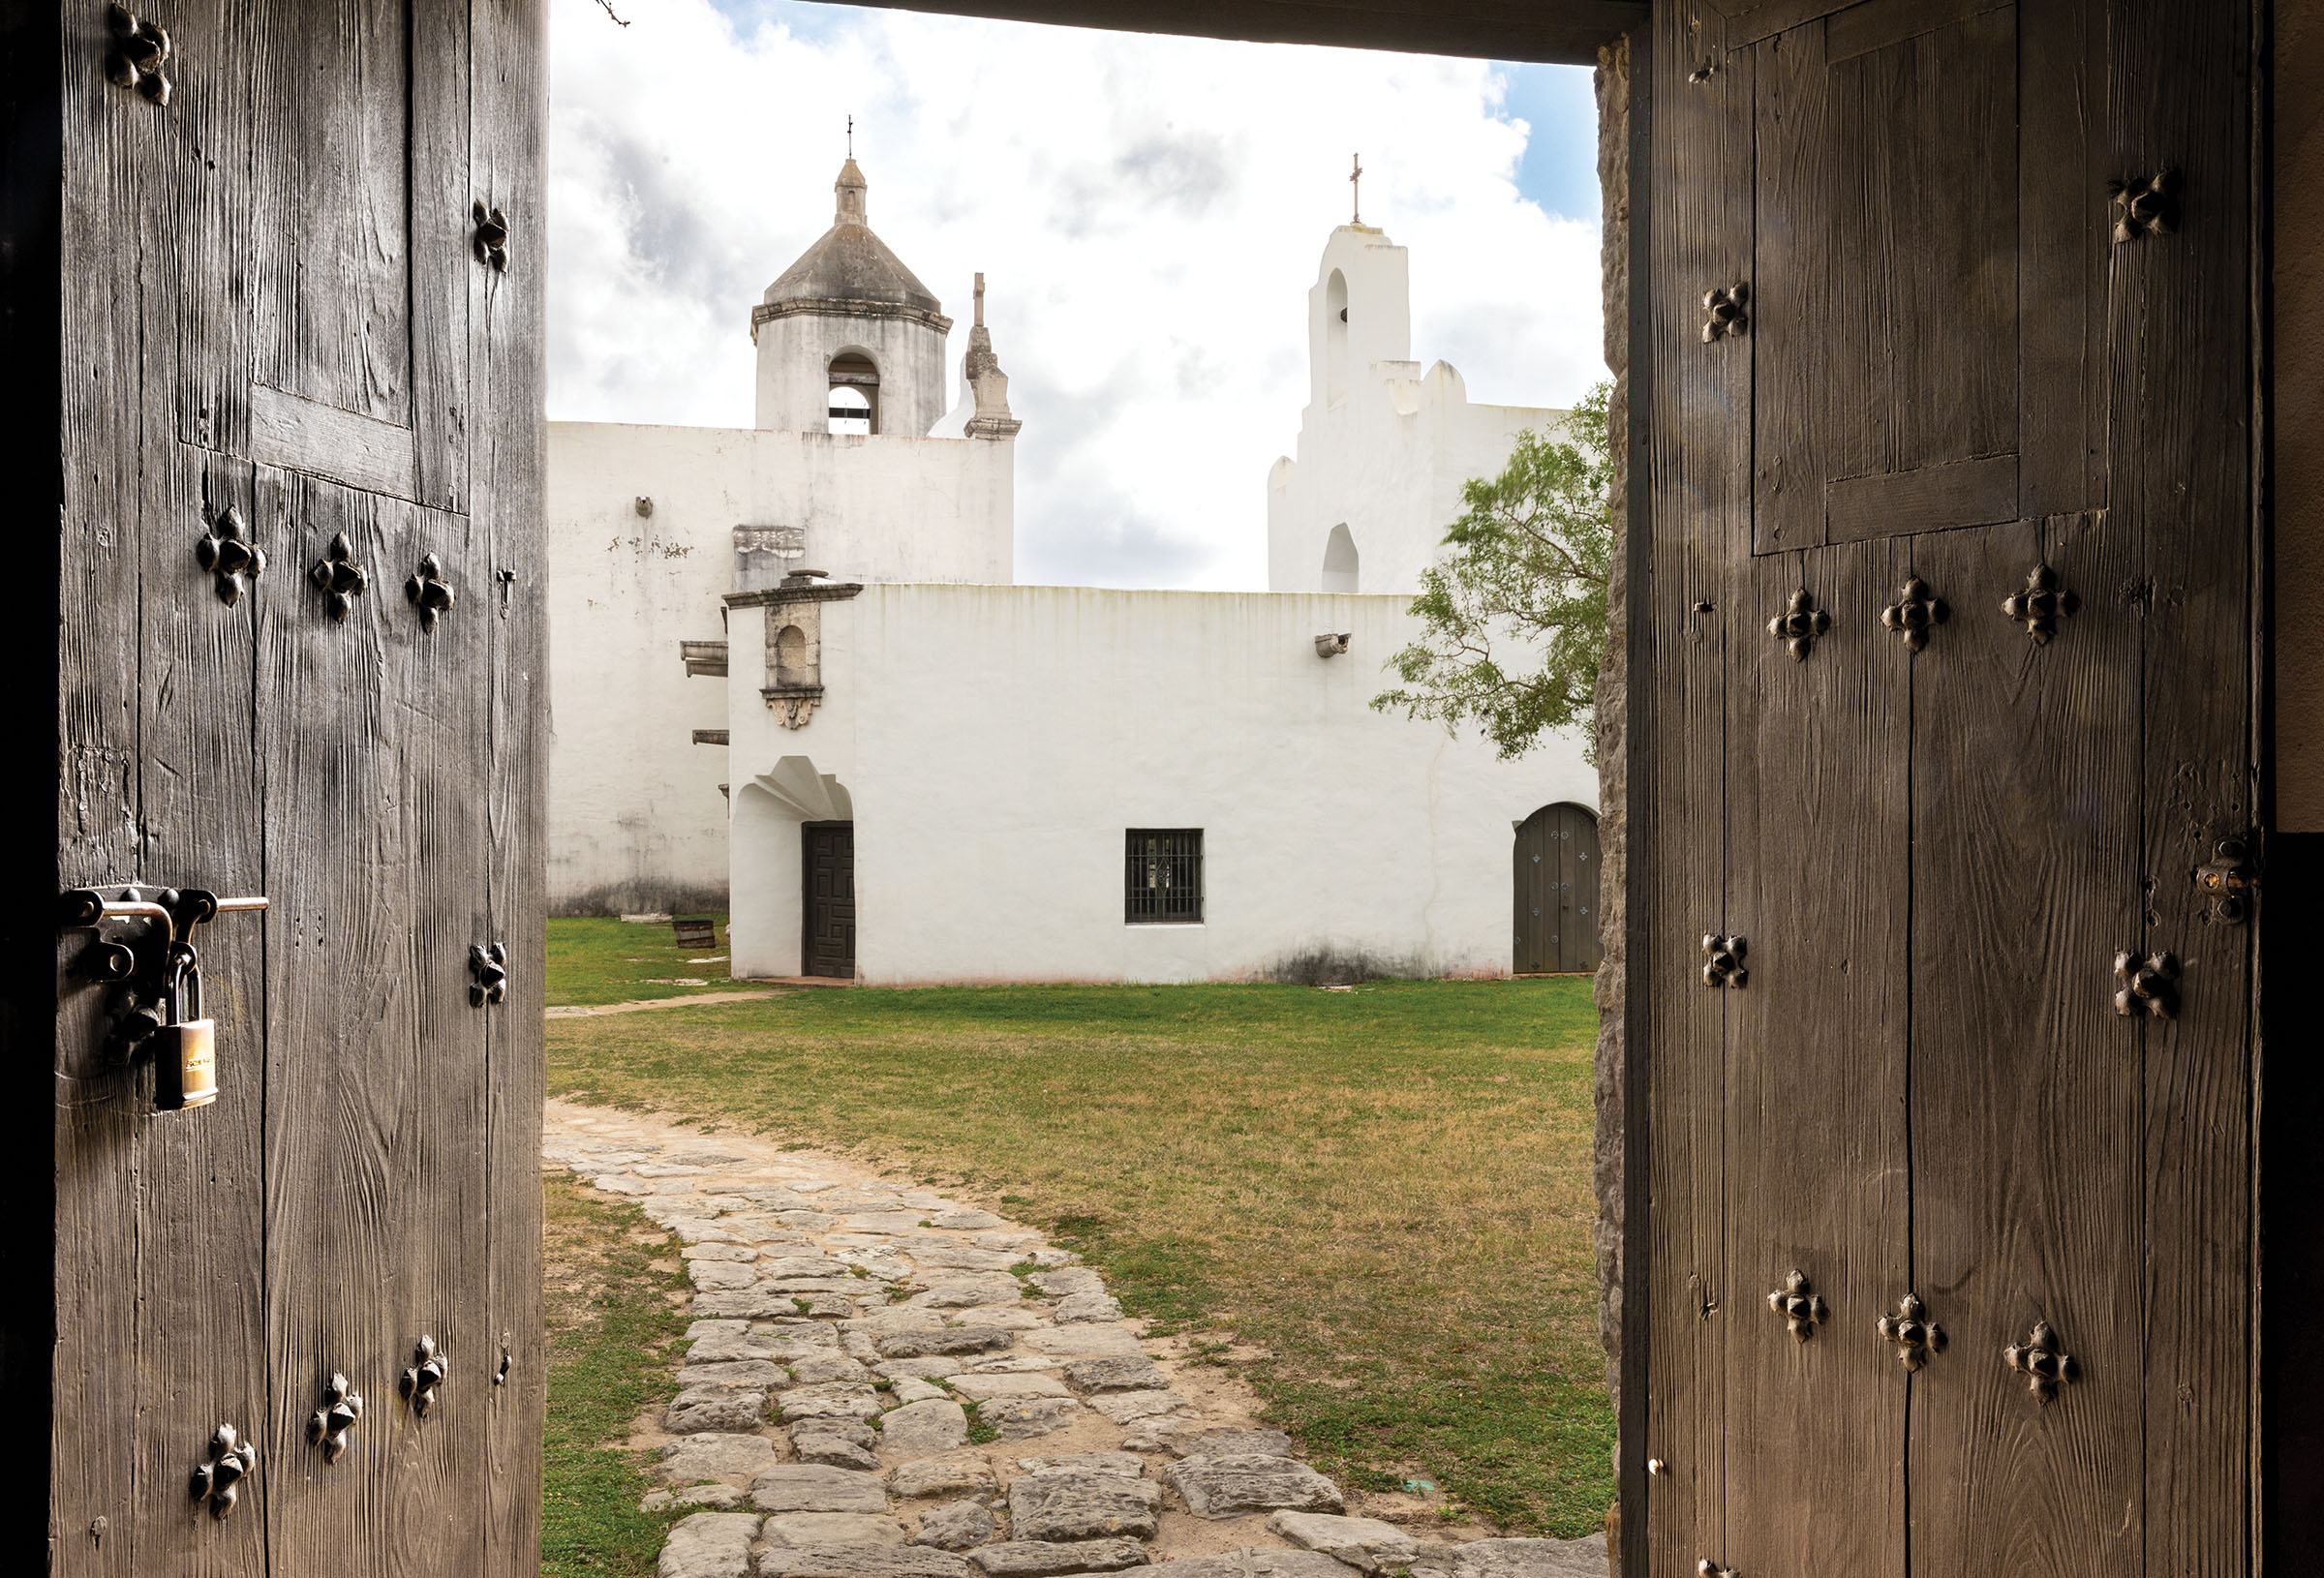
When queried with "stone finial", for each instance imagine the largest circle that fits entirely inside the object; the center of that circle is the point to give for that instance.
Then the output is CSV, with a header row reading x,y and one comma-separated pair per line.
x,y
851,187
986,380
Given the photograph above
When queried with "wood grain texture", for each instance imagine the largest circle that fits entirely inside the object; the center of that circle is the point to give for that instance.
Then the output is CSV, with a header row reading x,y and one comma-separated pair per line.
x,y
1885,311
508,96
2024,1078
2064,220
1929,498
1820,822
377,770
1698,476
296,433
2179,416
1563,31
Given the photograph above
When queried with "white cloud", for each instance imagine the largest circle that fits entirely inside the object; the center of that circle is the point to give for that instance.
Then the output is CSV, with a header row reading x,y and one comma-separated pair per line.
x,y
1149,212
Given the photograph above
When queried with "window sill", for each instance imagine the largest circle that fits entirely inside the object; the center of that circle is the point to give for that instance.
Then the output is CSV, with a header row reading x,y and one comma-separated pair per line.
x,y
1163,925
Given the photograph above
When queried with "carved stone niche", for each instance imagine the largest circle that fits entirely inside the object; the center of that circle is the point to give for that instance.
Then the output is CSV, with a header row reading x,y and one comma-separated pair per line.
x,y
794,673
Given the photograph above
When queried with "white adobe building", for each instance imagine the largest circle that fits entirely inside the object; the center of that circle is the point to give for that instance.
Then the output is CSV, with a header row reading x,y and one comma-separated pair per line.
x,y
1384,447
916,771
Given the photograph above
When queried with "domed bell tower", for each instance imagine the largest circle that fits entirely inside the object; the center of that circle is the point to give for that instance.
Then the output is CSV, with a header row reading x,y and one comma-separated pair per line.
x,y
849,341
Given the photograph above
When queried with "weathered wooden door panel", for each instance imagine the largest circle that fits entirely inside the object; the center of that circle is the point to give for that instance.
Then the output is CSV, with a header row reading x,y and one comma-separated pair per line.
x,y
333,332
1816,803
1924,329
2023,878
1956,376
271,304
376,1142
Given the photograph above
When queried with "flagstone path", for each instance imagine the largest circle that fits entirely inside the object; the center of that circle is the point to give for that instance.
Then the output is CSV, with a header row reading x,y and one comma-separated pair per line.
x,y
883,1383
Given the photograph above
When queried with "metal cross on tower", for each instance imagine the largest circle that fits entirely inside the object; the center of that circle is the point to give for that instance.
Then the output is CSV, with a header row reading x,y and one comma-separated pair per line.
x,y
1356,180
851,136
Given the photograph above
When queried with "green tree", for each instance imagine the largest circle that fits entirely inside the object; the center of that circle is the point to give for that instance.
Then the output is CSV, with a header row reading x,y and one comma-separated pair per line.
x,y
1513,613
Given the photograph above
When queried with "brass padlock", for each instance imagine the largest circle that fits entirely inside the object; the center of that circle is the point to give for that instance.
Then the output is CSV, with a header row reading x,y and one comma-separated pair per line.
x,y
185,1052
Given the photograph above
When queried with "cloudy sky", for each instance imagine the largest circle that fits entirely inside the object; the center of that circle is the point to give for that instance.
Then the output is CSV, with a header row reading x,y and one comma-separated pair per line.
x,y
1148,213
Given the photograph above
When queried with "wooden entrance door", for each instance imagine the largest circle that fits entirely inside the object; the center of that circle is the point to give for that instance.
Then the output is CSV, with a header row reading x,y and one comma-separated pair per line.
x,y
1950,692
280,328
1556,885
830,919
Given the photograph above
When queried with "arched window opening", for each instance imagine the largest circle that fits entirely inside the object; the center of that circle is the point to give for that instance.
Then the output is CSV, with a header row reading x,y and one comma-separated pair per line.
x,y
1335,336
790,656
1341,563
854,394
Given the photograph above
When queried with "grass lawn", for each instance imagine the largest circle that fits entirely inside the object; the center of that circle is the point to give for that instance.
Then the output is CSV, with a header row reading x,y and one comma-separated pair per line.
x,y
1385,1190
597,960
616,1304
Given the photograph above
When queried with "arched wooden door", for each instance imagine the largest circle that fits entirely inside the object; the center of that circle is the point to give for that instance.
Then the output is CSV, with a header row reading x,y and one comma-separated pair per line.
x,y
1556,886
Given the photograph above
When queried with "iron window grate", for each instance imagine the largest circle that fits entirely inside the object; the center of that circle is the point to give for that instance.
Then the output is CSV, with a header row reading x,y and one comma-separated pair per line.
x,y
1163,875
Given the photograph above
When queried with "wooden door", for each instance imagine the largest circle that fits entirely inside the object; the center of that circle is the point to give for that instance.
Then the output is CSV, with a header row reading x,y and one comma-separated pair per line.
x,y
278,328
1556,885
830,919
1950,699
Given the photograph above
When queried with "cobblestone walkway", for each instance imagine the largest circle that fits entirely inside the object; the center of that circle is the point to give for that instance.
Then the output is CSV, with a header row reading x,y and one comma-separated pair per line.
x,y
884,1383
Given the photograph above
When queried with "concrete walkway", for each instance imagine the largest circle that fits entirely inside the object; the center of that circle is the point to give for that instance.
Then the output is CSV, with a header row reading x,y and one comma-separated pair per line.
x,y
883,1383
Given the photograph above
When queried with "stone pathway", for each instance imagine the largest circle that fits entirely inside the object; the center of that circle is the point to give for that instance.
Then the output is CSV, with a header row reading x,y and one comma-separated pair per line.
x,y
883,1383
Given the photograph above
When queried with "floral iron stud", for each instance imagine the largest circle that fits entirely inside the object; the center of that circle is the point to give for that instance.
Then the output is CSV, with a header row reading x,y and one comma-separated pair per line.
x,y
341,1407
1916,612
1799,624
1913,1333
1722,961
339,578
232,560
2041,605
2043,1364
1802,1308
2149,986
217,1479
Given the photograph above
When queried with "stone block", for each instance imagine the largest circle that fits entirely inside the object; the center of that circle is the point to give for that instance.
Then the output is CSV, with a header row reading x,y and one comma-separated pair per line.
x,y
1251,1561
833,1400
920,1344
739,1375
861,1562
956,1526
1365,1543
710,1545
917,1429
1080,1503
1018,1418
1083,1343
812,1487
1040,1559
1120,1374
705,1409
979,1388
825,1530
1128,1465
949,1474
1123,1406
1234,1483
731,1457
1087,1309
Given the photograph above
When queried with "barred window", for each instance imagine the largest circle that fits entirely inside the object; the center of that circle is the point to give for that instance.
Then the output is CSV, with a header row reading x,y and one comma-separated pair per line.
x,y
1164,875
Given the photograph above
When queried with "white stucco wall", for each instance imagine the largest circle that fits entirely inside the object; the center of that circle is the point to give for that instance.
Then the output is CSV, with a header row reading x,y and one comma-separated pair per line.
x,y
796,349
635,818
992,744
1384,447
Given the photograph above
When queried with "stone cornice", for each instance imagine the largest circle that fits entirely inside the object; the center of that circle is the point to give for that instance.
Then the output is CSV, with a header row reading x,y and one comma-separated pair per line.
x,y
766,312
778,597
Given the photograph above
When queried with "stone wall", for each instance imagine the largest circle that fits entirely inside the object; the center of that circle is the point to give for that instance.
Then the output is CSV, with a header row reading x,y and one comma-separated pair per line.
x,y
1613,708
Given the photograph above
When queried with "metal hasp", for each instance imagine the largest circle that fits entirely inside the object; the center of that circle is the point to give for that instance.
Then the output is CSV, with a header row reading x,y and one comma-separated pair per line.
x,y
1802,1308
430,592
225,551
427,1372
2150,985
491,250
2041,605
341,1407
338,576
488,974
1916,612
218,1478
2231,880
1913,1333
159,970
1799,624
2146,205
1729,307
2041,1361
139,51
1722,961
